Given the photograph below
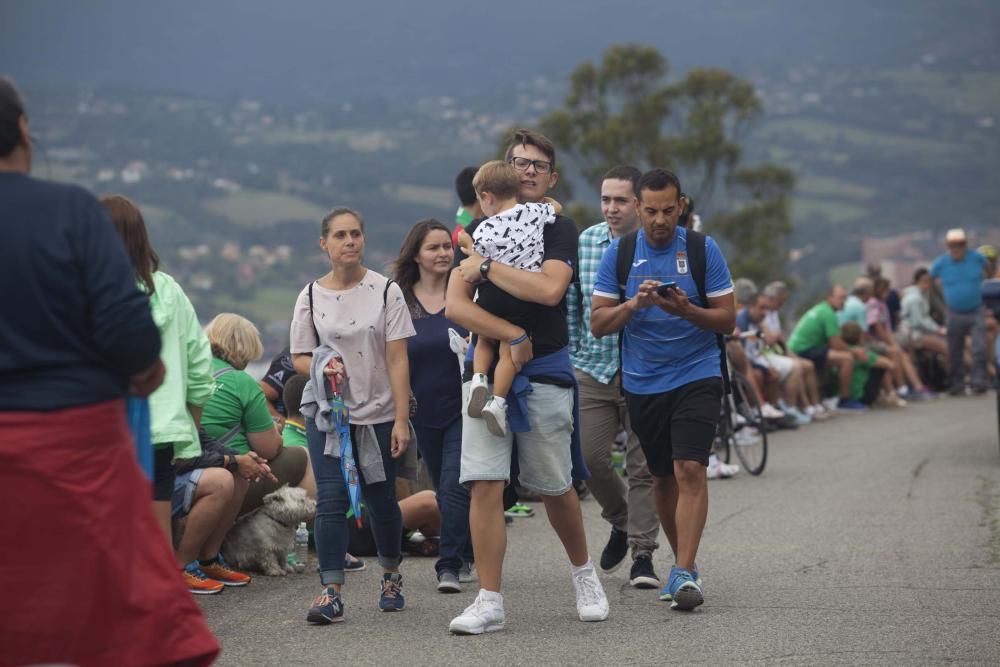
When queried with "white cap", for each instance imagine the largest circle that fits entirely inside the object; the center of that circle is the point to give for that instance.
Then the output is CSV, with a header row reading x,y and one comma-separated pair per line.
x,y
955,235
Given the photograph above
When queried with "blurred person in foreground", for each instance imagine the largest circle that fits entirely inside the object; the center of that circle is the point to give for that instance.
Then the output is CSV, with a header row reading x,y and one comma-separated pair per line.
x,y
92,579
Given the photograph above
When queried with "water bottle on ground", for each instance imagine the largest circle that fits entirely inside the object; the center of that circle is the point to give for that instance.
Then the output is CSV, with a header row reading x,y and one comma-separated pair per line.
x,y
301,547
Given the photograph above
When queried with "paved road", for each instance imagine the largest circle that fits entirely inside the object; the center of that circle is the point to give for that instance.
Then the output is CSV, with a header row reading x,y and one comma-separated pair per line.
x,y
869,539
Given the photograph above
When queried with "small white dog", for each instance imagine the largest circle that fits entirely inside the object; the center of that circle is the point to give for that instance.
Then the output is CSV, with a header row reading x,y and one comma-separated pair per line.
x,y
262,540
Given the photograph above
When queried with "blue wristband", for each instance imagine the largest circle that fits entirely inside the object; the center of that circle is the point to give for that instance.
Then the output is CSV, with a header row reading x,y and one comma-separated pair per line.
x,y
518,340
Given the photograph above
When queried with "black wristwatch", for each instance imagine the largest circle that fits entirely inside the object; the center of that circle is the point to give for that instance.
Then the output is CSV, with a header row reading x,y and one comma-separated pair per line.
x,y
484,268
233,464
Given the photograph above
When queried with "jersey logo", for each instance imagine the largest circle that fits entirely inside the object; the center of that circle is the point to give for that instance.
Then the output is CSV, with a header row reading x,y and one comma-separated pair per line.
x,y
637,264
682,262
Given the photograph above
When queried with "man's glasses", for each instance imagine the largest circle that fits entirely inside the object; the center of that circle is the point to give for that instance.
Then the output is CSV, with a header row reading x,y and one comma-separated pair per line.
x,y
522,164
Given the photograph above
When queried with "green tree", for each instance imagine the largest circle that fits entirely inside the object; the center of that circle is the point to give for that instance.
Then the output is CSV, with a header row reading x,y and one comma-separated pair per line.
x,y
625,111
758,229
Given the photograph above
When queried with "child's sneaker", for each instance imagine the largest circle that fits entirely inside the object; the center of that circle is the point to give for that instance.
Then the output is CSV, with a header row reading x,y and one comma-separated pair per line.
x,y
479,393
495,415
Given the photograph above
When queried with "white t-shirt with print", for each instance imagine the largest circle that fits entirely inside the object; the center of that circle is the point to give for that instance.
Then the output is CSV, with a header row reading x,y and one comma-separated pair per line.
x,y
355,323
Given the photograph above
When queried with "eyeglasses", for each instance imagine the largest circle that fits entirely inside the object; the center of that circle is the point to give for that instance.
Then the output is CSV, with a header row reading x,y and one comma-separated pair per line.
x,y
522,164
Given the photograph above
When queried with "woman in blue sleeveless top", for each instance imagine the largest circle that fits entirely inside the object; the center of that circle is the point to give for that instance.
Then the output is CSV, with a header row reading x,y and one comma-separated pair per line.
x,y
422,270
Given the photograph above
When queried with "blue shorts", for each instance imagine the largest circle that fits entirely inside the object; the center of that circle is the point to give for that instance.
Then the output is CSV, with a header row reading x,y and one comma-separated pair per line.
x,y
184,487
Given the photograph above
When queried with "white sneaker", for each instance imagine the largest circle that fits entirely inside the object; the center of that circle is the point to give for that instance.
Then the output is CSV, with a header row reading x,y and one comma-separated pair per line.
x,y
745,438
830,404
727,470
768,411
591,602
479,393
494,413
485,614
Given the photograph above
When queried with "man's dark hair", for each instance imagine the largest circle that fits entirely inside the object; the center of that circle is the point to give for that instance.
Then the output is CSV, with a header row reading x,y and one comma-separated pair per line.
x,y
657,180
624,172
292,395
463,186
919,273
523,137
851,333
11,110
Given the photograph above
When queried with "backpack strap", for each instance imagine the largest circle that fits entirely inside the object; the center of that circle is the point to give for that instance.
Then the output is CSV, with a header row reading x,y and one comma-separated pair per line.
x,y
699,267
385,292
623,264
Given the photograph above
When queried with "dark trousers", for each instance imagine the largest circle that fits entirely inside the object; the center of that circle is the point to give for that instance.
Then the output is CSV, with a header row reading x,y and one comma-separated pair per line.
x,y
441,450
872,386
332,503
973,325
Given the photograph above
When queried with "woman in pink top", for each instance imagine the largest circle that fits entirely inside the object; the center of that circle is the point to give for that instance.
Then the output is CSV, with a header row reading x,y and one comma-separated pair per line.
x,y
880,328
362,315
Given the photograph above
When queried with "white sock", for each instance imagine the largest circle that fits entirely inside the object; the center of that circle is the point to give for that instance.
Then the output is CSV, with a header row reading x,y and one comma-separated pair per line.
x,y
589,565
713,460
490,596
501,401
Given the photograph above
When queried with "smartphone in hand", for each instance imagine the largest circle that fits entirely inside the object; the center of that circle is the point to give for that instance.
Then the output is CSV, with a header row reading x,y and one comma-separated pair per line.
x,y
665,288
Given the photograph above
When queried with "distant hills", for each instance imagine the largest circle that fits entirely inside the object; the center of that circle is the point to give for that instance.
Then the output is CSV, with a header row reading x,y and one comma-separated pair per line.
x,y
235,128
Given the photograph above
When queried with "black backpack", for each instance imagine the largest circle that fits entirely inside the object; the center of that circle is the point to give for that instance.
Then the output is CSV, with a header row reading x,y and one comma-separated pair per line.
x,y
698,264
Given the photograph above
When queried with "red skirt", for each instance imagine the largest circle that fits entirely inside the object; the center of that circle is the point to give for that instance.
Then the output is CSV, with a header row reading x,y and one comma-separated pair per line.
x,y
86,575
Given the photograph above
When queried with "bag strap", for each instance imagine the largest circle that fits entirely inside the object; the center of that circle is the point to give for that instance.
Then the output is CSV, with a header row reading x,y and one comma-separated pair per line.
x,y
623,264
696,242
312,316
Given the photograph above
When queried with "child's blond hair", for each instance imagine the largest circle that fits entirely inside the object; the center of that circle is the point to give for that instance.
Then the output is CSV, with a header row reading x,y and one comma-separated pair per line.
x,y
499,179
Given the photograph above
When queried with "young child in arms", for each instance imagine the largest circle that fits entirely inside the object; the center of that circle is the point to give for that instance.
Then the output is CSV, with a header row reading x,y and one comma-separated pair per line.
x,y
511,235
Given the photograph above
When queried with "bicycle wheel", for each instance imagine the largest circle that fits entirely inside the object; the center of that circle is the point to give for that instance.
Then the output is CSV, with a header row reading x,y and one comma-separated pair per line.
x,y
750,437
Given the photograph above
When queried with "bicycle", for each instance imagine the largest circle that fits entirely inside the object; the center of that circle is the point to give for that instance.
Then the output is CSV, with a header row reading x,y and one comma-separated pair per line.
x,y
742,427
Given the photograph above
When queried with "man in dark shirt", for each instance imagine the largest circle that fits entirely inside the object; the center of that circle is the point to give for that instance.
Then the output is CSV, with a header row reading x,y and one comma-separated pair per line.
x,y
544,451
76,335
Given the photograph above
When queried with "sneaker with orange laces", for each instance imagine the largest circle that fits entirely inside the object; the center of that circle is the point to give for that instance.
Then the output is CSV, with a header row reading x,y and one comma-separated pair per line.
x,y
198,583
218,570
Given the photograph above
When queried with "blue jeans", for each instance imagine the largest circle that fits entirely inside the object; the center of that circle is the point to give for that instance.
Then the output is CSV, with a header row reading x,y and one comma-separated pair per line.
x,y
441,450
332,504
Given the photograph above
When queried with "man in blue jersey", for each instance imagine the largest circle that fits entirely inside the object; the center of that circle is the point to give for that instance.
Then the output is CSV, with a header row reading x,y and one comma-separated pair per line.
x,y
671,367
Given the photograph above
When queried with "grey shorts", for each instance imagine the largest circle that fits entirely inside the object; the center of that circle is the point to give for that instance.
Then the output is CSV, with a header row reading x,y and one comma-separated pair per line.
x,y
544,458
184,487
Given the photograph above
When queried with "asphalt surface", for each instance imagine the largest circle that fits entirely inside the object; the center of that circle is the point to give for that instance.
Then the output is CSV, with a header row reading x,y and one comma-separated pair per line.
x,y
869,539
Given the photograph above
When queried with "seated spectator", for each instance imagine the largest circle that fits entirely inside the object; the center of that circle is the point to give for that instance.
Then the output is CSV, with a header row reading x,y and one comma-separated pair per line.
x,y
237,414
420,513
904,374
775,296
917,329
209,491
817,338
273,385
777,366
868,375
294,431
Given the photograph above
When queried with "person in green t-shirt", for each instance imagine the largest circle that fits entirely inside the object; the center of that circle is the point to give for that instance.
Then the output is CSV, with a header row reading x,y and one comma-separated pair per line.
x,y
237,414
817,338
870,374
469,209
294,433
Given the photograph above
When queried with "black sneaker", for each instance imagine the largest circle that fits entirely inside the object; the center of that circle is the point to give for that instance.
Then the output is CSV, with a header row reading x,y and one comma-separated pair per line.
x,y
615,551
642,575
